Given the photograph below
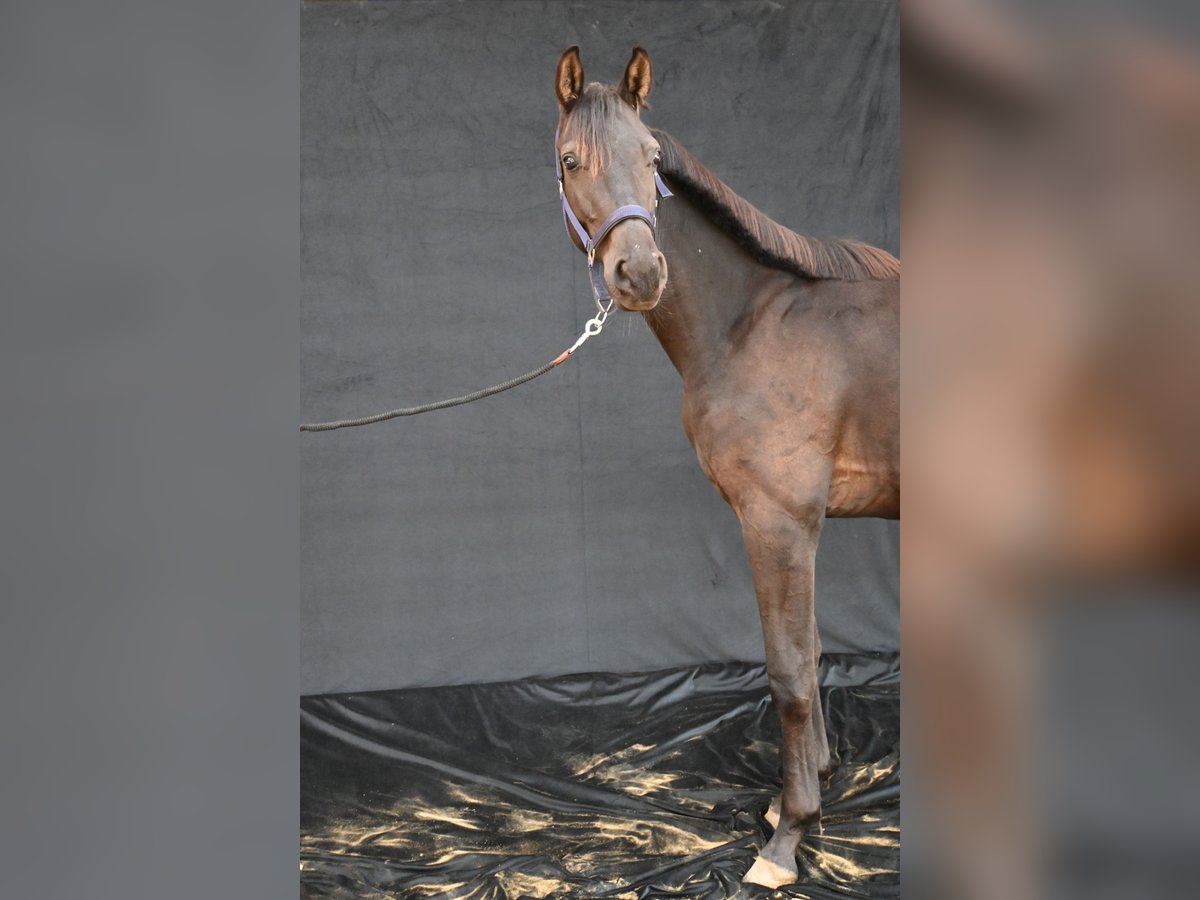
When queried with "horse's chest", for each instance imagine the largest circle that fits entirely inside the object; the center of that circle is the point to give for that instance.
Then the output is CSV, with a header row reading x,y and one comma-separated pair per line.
x,y
704,429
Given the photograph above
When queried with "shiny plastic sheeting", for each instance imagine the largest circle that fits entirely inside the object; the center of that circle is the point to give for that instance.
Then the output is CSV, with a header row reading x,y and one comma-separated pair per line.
x,y
649,785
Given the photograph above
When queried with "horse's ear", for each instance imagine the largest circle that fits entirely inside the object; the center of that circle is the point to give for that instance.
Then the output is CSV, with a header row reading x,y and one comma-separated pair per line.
x,y
638,76
568,78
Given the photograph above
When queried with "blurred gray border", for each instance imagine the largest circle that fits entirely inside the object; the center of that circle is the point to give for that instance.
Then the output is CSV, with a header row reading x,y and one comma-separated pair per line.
x,y
149,635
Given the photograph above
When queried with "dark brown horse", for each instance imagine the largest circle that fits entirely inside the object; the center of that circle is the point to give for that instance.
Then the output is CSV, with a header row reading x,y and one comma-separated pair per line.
x,y
788,347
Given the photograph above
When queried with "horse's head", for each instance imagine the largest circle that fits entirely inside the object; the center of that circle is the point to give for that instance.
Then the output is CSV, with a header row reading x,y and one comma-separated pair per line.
x,y
609,160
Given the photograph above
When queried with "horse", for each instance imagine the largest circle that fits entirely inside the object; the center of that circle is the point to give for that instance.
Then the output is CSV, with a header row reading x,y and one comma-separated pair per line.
x,y
788,348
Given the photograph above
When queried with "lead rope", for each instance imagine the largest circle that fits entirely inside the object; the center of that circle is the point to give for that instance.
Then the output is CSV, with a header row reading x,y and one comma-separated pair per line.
x,y
593,327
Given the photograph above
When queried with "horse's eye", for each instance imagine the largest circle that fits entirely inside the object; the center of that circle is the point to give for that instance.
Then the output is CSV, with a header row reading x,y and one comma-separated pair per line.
x,y
570,163
657,158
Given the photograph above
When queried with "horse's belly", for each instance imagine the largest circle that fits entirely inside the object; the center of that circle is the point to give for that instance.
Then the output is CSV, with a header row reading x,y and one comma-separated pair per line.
x,y
857,490
746,458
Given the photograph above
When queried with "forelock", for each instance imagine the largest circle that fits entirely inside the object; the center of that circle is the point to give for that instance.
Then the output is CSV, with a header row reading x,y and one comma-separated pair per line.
x,y
590,124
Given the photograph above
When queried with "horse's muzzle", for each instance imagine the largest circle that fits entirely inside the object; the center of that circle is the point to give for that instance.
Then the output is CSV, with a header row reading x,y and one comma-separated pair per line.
x,y
637,281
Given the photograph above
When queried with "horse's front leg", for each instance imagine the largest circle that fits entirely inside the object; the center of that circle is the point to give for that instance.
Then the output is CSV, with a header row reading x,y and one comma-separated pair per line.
x,y
782,549
817,740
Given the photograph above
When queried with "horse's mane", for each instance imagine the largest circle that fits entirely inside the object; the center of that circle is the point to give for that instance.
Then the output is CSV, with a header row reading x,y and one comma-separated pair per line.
x,y
767,240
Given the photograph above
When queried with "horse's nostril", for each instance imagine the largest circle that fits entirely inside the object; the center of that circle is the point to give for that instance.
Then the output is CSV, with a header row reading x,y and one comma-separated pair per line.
x,y
639,276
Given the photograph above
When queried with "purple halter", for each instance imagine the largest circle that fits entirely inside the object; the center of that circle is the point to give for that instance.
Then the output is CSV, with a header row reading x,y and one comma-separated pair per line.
x,y
589,244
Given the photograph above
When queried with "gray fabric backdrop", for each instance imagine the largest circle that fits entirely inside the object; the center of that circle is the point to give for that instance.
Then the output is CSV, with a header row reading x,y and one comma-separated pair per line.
x,y
564,526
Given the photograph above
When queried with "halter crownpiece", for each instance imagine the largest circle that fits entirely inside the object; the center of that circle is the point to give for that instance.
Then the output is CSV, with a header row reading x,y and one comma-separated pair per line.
x,y
588,243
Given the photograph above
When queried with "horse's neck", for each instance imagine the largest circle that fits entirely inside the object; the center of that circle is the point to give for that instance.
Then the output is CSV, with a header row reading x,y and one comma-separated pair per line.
x,y
711,284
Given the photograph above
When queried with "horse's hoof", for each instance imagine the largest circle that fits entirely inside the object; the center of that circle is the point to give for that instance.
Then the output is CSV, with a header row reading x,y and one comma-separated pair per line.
x,y
772,813
770,875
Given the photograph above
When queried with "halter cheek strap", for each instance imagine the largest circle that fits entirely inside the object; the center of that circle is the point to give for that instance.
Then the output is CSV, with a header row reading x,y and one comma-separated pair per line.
x,y
588,243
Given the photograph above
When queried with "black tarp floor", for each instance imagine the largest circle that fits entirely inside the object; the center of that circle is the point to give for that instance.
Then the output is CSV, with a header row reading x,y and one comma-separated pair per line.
x,y
649,785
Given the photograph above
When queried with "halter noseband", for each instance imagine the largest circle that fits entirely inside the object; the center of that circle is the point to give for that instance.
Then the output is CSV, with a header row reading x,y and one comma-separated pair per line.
x,y
618,215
